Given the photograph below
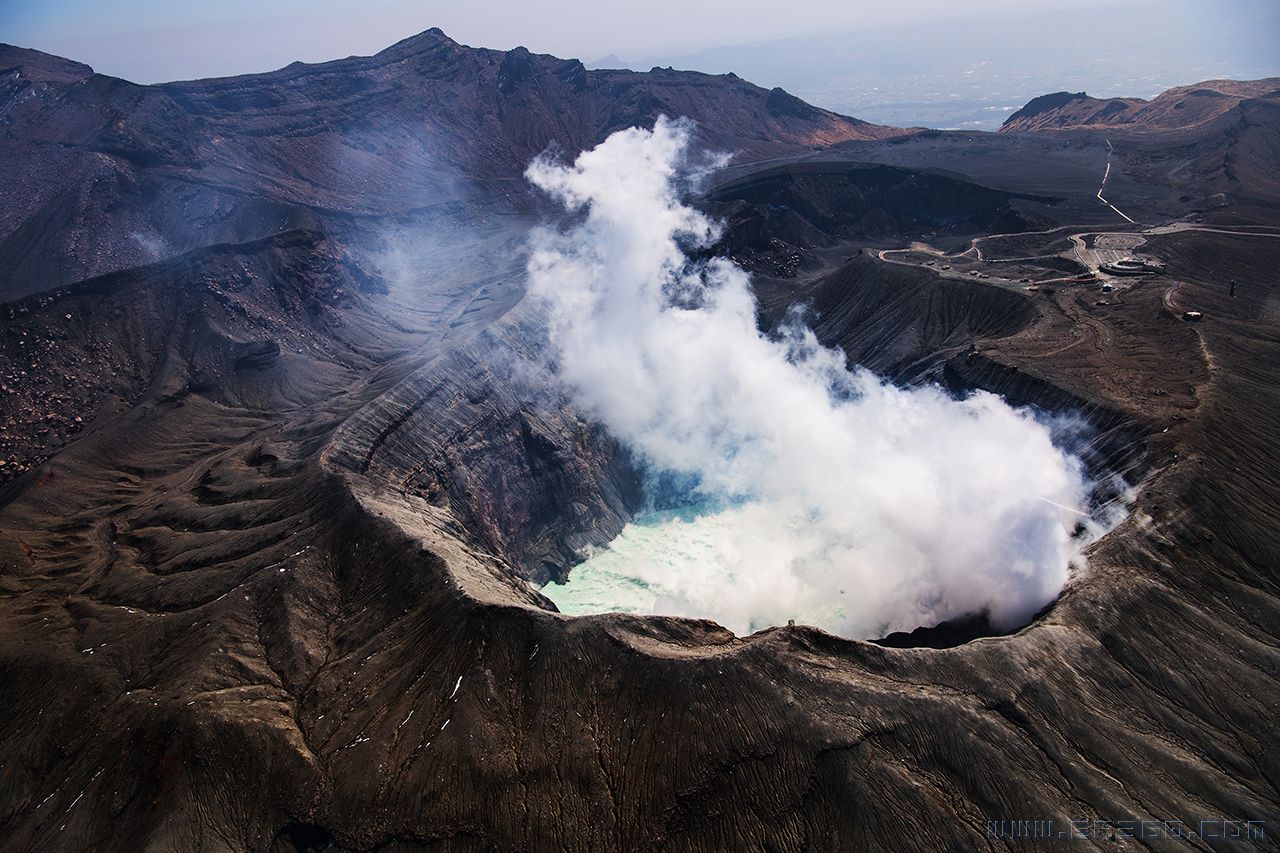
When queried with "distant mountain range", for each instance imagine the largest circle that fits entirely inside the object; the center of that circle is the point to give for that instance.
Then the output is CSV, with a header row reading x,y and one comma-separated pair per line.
x,y
1179,108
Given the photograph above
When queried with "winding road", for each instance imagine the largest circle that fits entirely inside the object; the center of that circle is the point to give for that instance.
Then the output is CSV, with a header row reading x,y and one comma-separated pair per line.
x,y
1106,174
1077,238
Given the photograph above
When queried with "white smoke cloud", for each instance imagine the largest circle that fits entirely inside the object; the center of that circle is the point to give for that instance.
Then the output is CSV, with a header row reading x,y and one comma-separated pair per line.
x,y
838,499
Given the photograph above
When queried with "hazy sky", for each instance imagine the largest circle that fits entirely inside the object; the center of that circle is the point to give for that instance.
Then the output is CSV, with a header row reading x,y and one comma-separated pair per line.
x,y
156,40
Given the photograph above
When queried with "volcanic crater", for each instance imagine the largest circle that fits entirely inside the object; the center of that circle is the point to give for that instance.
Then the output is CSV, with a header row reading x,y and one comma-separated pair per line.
x,y
281,487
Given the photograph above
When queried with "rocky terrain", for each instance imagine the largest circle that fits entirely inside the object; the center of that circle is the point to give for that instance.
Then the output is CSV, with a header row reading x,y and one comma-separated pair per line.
x,y
283,470
777,216
1180,108
104,174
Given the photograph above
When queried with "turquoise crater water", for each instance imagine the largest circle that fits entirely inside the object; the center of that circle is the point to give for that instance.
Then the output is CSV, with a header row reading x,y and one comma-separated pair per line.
x,y
681,563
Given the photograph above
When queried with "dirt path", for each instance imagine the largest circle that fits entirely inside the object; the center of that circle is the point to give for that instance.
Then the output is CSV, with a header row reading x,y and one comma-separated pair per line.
x,y
1106,174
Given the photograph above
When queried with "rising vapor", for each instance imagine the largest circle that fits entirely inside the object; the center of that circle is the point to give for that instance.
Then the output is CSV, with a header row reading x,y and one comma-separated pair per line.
x,y
834,498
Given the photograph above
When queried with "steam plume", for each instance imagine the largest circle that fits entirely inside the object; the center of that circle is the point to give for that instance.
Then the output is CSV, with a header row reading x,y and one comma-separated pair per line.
x,y
839,499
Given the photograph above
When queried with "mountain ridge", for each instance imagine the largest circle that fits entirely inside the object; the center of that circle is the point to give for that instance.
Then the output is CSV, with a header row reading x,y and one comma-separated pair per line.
x,y
108,174
1178,108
